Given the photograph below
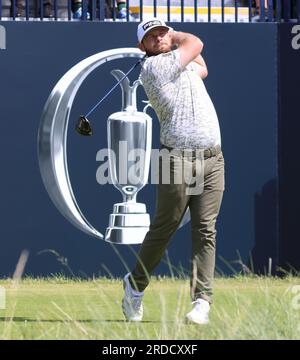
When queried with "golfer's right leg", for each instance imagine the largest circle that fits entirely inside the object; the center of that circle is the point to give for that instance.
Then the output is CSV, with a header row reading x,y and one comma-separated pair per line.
x,y
171,203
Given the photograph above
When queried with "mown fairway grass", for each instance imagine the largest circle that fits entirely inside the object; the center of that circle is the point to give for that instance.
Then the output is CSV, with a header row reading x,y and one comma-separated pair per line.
x,y
58,308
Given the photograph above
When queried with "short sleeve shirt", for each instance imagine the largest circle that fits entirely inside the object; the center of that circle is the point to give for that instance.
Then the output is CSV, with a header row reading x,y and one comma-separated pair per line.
x,y
178,95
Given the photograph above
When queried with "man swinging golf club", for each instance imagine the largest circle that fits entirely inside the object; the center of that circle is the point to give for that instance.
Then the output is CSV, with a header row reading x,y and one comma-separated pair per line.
x,y
172,78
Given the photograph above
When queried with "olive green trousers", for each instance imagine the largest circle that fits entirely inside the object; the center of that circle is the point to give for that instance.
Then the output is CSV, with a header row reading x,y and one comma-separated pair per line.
x,y
172,200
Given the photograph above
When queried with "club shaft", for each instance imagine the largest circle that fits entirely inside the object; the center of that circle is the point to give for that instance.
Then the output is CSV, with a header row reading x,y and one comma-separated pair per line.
x,y
113,88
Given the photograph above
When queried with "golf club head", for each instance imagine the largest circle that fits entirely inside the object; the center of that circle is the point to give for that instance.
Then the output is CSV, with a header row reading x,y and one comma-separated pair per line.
x,y
83,126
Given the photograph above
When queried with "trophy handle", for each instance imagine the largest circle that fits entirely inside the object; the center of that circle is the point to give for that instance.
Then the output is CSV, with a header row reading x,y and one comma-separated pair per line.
x,y
128,92
147,102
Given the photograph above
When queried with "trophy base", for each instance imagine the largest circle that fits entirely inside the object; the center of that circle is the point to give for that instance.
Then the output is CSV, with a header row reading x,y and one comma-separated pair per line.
x,y
128,224
126,235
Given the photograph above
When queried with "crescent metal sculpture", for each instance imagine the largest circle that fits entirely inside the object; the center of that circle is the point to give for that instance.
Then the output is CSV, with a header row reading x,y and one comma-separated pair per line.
x,y
52,137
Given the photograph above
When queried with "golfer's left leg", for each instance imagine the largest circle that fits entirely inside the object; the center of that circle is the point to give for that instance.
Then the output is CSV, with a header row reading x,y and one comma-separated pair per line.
x,y
204,211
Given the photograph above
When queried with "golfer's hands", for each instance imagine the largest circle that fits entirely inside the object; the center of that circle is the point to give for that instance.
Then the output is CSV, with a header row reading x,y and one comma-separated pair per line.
x,y
200,67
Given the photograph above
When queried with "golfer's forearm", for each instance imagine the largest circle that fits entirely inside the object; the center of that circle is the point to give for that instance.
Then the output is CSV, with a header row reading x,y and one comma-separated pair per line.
x,y
181,39
190,44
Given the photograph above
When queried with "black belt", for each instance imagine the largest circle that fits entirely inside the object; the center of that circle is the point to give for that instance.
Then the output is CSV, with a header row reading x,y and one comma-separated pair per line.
x,y
208,153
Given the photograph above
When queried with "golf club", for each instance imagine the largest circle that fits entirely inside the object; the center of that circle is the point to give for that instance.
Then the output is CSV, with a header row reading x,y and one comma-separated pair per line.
x,y
83,126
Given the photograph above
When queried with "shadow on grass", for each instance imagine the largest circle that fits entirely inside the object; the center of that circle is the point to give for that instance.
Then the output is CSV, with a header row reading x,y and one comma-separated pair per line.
x,y
23,319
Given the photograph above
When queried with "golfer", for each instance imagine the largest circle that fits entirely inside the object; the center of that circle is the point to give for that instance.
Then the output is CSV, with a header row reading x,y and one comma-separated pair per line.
x,y
172,76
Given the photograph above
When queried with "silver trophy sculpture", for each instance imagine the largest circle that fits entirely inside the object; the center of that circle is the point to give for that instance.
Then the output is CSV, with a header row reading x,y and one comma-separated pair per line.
x,y
129,135
129,222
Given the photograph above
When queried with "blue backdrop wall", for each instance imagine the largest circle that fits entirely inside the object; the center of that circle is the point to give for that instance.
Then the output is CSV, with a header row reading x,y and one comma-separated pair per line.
x,y
288,131
243,83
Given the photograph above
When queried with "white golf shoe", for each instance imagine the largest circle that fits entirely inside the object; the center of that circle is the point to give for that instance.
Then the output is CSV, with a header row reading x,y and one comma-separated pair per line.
x,y
199,314
132,302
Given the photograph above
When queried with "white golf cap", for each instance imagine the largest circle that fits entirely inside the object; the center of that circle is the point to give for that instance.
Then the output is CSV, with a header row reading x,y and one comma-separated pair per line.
x,y
148,25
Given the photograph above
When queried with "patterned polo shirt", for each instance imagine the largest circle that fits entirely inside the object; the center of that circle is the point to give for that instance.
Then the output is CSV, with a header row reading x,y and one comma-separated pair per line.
x,y
187,116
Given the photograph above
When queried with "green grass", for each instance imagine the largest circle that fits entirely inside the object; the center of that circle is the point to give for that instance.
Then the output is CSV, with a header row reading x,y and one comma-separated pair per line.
x,y
58,308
